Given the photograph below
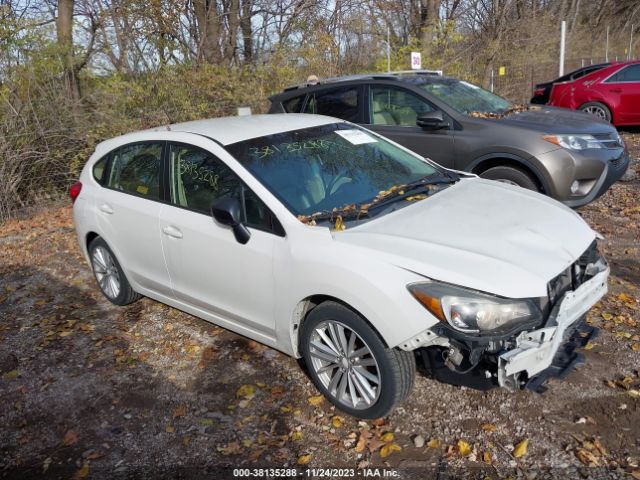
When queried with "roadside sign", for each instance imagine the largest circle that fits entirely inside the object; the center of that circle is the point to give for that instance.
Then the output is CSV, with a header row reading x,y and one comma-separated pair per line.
x,y
416,61
502,71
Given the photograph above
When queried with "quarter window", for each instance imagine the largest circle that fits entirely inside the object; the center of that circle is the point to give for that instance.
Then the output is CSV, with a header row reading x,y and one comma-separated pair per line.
x,y
393,106
136,169
630,73
338,102
98,169
198,179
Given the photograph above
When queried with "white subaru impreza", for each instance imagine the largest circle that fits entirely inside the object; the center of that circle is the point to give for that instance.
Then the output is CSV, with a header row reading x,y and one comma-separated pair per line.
x,y
326,241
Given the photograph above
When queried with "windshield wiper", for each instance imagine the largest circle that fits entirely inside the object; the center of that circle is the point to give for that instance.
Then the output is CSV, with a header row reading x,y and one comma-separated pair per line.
x,y
415,189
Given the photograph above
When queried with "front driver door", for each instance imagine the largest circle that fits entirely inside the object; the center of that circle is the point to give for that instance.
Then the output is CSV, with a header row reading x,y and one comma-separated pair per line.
x,y
209,269
393,112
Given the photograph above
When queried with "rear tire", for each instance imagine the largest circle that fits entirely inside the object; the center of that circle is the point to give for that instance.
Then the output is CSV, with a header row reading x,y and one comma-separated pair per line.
x,y
511,175
369,384
598,110
109,274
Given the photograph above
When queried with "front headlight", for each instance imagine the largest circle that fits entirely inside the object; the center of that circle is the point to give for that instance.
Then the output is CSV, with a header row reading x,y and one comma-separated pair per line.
x,y
474,312
574,142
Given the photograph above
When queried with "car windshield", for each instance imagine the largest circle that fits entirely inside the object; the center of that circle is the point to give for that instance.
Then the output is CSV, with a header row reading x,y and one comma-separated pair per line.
x,y
332,168
465,97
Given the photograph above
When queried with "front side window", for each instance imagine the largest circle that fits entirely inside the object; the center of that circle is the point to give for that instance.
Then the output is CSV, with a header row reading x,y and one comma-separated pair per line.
x,y
630,73
465,97
394,106
329,167
198,179
338,102
135,169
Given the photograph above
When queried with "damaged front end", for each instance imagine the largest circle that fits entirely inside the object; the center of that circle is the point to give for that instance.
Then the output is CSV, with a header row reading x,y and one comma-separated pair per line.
x,y
529,355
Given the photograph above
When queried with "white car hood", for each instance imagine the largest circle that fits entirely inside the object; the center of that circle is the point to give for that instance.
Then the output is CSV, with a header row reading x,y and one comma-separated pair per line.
x,y
479,234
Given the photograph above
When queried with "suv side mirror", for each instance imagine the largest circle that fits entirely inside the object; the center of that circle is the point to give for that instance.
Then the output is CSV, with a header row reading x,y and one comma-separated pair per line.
x,y
227,212
432,121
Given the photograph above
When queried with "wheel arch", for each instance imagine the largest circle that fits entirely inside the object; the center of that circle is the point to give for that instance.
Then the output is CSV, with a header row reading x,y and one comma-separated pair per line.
x,y
484,163
306,305
603,102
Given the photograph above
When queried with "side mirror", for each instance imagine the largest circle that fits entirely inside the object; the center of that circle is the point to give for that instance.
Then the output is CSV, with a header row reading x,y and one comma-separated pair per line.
x,y
432,121
226,211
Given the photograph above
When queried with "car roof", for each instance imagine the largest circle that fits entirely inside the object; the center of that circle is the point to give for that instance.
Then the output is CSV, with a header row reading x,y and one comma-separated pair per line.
x,y
228,130
410,76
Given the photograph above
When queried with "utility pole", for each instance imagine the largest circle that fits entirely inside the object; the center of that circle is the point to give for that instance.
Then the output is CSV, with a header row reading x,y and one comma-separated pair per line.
x,y
388,50
630,43
563,33
606,49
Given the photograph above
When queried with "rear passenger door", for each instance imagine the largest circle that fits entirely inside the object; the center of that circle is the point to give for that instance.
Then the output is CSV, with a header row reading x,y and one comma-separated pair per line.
x,y
393,111
340,102
624,87
128,209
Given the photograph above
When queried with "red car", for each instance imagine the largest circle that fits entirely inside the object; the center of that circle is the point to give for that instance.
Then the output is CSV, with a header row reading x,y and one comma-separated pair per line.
x,y
612,93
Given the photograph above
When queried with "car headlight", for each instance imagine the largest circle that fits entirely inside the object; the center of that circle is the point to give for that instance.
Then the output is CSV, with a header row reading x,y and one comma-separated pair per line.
x,y
574,142
474,312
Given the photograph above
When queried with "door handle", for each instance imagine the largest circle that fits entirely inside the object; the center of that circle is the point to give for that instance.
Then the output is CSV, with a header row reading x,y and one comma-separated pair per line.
x,y
172,232
105,208
615,90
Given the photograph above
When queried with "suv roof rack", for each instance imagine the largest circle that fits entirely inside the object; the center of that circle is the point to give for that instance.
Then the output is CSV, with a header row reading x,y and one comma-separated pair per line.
x,y
364,76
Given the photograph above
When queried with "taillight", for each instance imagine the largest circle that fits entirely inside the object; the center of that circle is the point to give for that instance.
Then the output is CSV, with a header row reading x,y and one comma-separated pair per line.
x,y
74,191
538,91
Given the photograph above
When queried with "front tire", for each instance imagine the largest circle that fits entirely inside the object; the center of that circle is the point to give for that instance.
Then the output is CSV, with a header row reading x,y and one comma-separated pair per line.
x,y
512,176
109,274
348,362
598,110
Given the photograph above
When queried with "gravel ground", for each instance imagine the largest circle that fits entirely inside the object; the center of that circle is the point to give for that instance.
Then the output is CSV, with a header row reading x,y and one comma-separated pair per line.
x,y
90,390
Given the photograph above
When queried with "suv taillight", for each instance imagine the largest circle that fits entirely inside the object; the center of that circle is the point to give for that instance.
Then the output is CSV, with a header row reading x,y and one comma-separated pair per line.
x,y
74,191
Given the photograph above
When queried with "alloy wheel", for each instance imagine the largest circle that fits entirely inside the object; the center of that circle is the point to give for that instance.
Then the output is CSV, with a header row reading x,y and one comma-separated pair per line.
x,y
106,272
596,111
345,365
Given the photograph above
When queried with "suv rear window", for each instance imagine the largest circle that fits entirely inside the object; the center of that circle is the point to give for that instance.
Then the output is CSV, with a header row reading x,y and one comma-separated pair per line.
x,y
293,105
338,102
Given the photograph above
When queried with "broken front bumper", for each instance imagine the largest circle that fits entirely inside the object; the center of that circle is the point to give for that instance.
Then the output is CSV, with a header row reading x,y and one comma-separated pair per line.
x,y
535,351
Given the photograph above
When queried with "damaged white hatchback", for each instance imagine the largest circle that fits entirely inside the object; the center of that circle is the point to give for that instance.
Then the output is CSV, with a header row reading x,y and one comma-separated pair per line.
x,y
328,242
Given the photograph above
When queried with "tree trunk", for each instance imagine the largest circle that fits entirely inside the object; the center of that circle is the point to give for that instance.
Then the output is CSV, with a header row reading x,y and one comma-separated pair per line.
x,y
247,33
233,20
206,12
429,17
64,31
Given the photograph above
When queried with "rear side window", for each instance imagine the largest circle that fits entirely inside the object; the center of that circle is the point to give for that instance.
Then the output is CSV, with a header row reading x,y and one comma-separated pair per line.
x,y
135,169
293,105
98,169
630,73
198,179
342,103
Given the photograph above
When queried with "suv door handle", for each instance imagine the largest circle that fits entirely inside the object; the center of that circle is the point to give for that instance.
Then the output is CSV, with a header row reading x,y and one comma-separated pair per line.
x,y
105,208
172,232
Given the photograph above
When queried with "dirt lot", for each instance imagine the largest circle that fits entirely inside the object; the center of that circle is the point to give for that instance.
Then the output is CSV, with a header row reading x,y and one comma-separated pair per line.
x,y
91,390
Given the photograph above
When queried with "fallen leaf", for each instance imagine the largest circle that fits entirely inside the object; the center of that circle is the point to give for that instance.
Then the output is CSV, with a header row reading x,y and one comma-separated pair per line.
x,y
70,438
433,443
488,427
463,448
296,435
387,437
83,472
586,457
388,449
589,346
246,391
486,457
636,474
635,347
66,333
11,374
180,411
304,459
378,422
633,393
316,400
520,449
337,421
362,441
169,429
